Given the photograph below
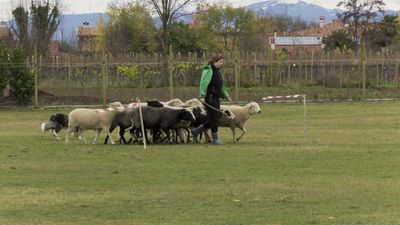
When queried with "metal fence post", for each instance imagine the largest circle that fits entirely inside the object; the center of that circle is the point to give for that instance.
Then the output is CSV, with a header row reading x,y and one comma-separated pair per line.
x,y
236,62
36,71
170,73
104,72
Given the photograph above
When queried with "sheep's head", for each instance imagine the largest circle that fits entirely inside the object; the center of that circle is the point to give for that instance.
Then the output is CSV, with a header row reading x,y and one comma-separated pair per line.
x,y
186,114
116,106
253,108
193,102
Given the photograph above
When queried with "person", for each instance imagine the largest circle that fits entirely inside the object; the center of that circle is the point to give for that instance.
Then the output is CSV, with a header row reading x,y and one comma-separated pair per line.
x,y
212,88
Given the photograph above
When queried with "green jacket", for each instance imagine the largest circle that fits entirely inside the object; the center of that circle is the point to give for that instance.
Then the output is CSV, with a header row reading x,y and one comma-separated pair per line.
x,y
205,80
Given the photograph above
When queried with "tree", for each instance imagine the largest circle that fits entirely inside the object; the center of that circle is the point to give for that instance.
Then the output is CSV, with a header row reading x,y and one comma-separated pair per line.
x,y
227,24
4,65
21,81
44,21
130,29
359,14
339,40
167,11
185,39
283,23
382,34
21,15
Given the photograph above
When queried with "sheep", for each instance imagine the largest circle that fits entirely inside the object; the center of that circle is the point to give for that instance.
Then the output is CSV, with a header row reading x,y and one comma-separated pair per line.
x,y
202,118
92,119
123,119
163,118
174,102
242,114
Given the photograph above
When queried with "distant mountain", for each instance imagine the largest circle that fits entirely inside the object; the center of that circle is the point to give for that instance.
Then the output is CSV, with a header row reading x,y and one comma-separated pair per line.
x,y
305,11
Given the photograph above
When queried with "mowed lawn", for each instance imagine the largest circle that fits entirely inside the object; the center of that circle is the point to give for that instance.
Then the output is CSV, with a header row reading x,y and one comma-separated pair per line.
x,y
346,171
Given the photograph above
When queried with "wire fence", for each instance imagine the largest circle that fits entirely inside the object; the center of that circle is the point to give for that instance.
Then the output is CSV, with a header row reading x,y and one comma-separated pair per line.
x,y
128,76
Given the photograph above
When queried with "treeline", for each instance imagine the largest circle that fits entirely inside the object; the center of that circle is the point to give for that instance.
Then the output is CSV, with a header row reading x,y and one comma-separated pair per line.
x,y
131,28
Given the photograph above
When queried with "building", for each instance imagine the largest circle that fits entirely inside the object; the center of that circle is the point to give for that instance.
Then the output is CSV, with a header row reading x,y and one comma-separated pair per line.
x,y
87,38
310,39
5,32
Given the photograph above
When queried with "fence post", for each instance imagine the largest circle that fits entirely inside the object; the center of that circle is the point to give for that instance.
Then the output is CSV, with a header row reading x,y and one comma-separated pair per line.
x,y
36,71
255,65
171,78
312,67
364,71
235,62
383,64
341,72
69,71
323,68
396,72
104,73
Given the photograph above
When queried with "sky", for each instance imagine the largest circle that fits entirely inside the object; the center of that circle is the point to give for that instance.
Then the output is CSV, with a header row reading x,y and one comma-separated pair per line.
x,y
88,6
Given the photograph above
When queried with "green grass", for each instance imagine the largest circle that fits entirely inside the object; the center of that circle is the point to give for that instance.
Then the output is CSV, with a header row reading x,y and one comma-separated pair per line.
x,y
345,172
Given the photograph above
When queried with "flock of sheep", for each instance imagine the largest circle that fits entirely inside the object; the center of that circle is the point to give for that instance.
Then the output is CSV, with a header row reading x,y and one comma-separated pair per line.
x,y
163,122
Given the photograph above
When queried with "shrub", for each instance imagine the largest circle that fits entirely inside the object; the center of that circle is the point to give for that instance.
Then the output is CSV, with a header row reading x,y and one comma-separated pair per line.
x,y
21,81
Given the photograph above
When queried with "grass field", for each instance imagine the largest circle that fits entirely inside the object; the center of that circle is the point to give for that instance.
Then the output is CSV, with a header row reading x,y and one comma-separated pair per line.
x,y
347,171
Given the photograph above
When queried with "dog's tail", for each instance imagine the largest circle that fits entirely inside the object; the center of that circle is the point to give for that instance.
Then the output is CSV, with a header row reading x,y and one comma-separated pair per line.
x,y
47,126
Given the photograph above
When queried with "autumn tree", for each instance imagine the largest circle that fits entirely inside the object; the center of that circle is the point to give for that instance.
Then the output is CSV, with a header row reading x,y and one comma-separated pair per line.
x,y
130,29
359,15
228,25
167,11
43,18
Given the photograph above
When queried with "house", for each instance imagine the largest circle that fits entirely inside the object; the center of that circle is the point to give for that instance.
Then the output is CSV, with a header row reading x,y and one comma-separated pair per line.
x,y
310,39
5,32
87,38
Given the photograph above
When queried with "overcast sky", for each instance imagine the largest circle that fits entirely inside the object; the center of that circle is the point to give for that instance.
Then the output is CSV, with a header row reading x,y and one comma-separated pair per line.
x,y
87,6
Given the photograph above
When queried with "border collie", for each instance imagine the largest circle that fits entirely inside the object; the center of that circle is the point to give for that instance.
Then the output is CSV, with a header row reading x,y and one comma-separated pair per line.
x,y
56,123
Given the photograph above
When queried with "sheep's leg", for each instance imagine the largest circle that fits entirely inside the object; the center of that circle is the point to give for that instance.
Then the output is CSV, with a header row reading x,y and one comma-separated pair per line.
x,y
98,131
81,135
121,136
181,135
233,134
107,129
168,136
67,136
188,136
207,136
243,132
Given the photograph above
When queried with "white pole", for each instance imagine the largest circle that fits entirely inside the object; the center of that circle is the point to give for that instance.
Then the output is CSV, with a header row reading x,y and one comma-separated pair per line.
x,y
141,123
305,115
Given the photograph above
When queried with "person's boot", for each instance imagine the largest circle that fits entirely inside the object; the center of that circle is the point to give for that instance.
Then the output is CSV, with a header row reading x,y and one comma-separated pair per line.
x,y
215,139
196,131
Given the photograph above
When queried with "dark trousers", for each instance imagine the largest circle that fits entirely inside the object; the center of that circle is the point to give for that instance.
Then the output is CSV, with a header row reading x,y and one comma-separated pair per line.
x,y
213,115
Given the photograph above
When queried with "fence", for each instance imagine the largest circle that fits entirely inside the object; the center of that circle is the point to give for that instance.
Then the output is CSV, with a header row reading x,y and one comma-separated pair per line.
x,y
127,76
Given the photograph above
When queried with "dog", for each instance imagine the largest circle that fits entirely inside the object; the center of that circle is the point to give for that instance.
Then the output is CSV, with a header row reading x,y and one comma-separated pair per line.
x,y
56,123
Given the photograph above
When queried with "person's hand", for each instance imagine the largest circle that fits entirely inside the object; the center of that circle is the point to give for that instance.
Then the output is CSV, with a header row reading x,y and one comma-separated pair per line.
x,y
202,100
229,99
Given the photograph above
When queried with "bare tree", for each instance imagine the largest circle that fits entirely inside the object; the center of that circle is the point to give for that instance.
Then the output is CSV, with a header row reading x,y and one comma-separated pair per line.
x,y
168,11
359,14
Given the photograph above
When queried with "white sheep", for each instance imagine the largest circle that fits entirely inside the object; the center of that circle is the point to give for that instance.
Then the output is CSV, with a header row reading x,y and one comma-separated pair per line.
x,y
93,119
176,102
242,114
